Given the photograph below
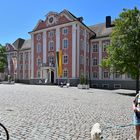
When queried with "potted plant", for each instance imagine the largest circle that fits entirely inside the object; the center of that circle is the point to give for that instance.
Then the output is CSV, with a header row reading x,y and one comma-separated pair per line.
x,y
83,82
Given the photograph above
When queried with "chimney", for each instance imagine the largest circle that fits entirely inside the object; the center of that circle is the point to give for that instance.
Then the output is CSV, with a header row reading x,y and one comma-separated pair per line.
x,y
108,22
80,19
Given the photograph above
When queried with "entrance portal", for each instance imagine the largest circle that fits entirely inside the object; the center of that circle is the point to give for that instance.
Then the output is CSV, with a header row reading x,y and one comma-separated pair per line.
x,y
52,76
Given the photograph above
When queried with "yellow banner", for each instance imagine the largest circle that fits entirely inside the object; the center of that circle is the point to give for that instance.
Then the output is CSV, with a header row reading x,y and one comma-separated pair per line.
x,y
60,64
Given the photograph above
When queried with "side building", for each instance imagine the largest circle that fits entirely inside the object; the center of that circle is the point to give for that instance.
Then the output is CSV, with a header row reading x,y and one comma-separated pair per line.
x,y
100,77
19,60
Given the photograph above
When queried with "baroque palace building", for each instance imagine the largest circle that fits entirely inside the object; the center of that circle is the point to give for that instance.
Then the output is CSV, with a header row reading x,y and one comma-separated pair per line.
x,y
83,48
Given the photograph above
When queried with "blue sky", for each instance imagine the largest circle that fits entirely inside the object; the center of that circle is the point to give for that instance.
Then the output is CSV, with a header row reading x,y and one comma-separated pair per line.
x,y
18,17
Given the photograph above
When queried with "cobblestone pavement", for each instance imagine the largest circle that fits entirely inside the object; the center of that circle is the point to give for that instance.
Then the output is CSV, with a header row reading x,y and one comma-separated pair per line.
x,y
53,113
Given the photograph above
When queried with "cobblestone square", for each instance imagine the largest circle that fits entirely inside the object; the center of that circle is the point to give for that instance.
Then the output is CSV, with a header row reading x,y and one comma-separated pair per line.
x,y
35,112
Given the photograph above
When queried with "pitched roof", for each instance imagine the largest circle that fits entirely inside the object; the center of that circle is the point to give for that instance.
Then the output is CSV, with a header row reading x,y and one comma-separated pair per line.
x,y
101,30
26,44
18,43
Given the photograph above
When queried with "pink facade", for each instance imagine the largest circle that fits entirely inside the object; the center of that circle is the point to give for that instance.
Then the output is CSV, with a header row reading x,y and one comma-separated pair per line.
x,y
60,31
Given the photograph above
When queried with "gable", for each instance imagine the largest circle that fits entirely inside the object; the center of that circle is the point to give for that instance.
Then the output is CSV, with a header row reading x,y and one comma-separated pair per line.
x,y
53,19
10,47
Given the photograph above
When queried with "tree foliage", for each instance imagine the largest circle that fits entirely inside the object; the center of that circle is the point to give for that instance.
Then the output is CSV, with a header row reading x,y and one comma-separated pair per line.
x,y
124,51
3,59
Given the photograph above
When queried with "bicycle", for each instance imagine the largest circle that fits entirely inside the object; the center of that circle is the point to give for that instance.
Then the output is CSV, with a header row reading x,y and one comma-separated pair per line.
x,y
4,135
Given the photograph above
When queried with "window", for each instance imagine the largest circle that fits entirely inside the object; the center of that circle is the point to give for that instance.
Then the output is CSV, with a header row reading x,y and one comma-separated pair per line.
x,y
117,75
117,86
51,34
26,66
128,75
51,61
38,37
65,59
82,44
81,59
65,43
38,47
38,74
95,61
87,62
38,61
105,44
95,75
26,56
106,74
21,57
21,67
95,47
87,47
65,73
51,45
65,31
82,32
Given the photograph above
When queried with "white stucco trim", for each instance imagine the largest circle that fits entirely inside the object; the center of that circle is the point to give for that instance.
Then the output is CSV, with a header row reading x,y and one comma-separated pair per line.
x,y
23,65
78,49
54,27
32,56
29,64
57,39
74,51
44,46
85,45
100,59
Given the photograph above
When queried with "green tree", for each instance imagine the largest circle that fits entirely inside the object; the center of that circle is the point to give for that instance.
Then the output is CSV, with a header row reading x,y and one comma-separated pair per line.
x,y
124,50
3,59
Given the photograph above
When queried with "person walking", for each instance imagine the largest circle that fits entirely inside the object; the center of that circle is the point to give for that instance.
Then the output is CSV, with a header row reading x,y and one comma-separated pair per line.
x,y
136,117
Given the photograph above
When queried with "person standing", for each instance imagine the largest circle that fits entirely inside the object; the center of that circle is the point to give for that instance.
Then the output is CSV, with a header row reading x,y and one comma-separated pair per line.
x,y
136,117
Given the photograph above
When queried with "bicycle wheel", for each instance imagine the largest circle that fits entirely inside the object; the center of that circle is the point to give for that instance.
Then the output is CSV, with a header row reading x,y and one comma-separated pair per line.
x,y
4,135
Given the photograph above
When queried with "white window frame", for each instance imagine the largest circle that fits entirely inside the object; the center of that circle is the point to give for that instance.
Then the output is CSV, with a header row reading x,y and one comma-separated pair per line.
x,y
105,44
65,59
95,61
65,73
95,47
51,34
51,45
51,60
38,47
38,63
117,86
106,74
65,43
81,59
117,75
38,37
65,31
95,75
38,74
